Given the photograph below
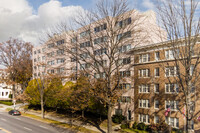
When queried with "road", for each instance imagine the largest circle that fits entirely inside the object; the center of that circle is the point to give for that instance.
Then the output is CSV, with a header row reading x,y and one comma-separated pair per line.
x,y
20,124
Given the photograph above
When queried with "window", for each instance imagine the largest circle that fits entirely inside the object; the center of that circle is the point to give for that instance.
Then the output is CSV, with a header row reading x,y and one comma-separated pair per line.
x,y
61,60
74,50
144,118
60,52
50,45
123,23
85,33
43,49
145,88
144,73
60,70
157,56
156,72
156,88
38,51
124,48
125,73
126,86
74,40
35,60
170,71
50,62
125,99
100,63
144,103
84,55
156,104
43,57
192,90
174,122
156,119
34,52
192,106
144,58
100,40
100,28
118,111
171,88
101,75
100,51
38,58
73,59
124,35
125,61
171,54
173,105
191,70
84,66
50,71
60,42
51,54
85,44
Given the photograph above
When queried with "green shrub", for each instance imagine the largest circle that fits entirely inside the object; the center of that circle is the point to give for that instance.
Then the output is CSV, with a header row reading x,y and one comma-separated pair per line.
x,y
10,96
124,126
118,118
148,128
177,130
6,102
134,125
141,126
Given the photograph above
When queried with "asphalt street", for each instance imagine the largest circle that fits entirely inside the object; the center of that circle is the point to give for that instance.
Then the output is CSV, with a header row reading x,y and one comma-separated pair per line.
x,y
20,124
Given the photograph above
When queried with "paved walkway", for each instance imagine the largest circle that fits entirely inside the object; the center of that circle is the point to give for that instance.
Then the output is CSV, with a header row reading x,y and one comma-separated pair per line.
x,y
62,119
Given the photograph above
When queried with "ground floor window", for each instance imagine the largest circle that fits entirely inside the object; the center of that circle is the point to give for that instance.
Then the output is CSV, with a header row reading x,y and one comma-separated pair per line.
x,y
144,118
118,111
174,122
156,119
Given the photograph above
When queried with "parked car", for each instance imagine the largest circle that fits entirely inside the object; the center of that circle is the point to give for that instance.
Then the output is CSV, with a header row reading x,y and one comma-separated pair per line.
x,y
14,112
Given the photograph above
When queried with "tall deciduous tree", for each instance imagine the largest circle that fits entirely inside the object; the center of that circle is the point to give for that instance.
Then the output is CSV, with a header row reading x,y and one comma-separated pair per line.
x,y
180,19
99,48
15,55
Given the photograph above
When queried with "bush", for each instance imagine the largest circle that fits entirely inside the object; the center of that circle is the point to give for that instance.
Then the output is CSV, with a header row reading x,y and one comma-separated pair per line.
x,y
118,118
124,126
148,128
134,125
10,96
141,126
6,102
177,130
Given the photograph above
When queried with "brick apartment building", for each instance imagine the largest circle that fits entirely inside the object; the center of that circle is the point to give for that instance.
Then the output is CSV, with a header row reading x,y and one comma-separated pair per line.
x,y
156,89
52,59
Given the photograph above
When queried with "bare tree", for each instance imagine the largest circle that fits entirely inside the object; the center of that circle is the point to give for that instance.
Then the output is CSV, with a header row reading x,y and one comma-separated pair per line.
x,y
97,43
181,21
15,55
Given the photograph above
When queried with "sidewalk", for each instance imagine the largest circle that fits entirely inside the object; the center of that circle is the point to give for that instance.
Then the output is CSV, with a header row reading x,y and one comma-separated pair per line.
x,y
63,119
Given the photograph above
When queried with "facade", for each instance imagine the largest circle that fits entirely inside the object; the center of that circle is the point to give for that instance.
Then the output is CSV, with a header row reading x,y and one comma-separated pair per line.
x,y
6,86
52,58
156,87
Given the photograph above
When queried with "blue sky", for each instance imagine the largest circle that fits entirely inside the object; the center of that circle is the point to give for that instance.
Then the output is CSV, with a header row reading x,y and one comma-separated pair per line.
x,y
142,5
27,19
31,17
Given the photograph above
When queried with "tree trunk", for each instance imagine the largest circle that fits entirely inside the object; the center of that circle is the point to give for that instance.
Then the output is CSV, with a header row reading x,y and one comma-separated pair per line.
x,y
109,130
42,106
13,92
83,114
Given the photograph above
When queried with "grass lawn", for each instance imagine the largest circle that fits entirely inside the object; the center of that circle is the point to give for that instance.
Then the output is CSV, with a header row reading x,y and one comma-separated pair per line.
x,y
133,131
59,124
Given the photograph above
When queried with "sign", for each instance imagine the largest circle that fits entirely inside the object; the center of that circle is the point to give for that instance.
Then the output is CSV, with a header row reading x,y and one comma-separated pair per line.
x,y
14,101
